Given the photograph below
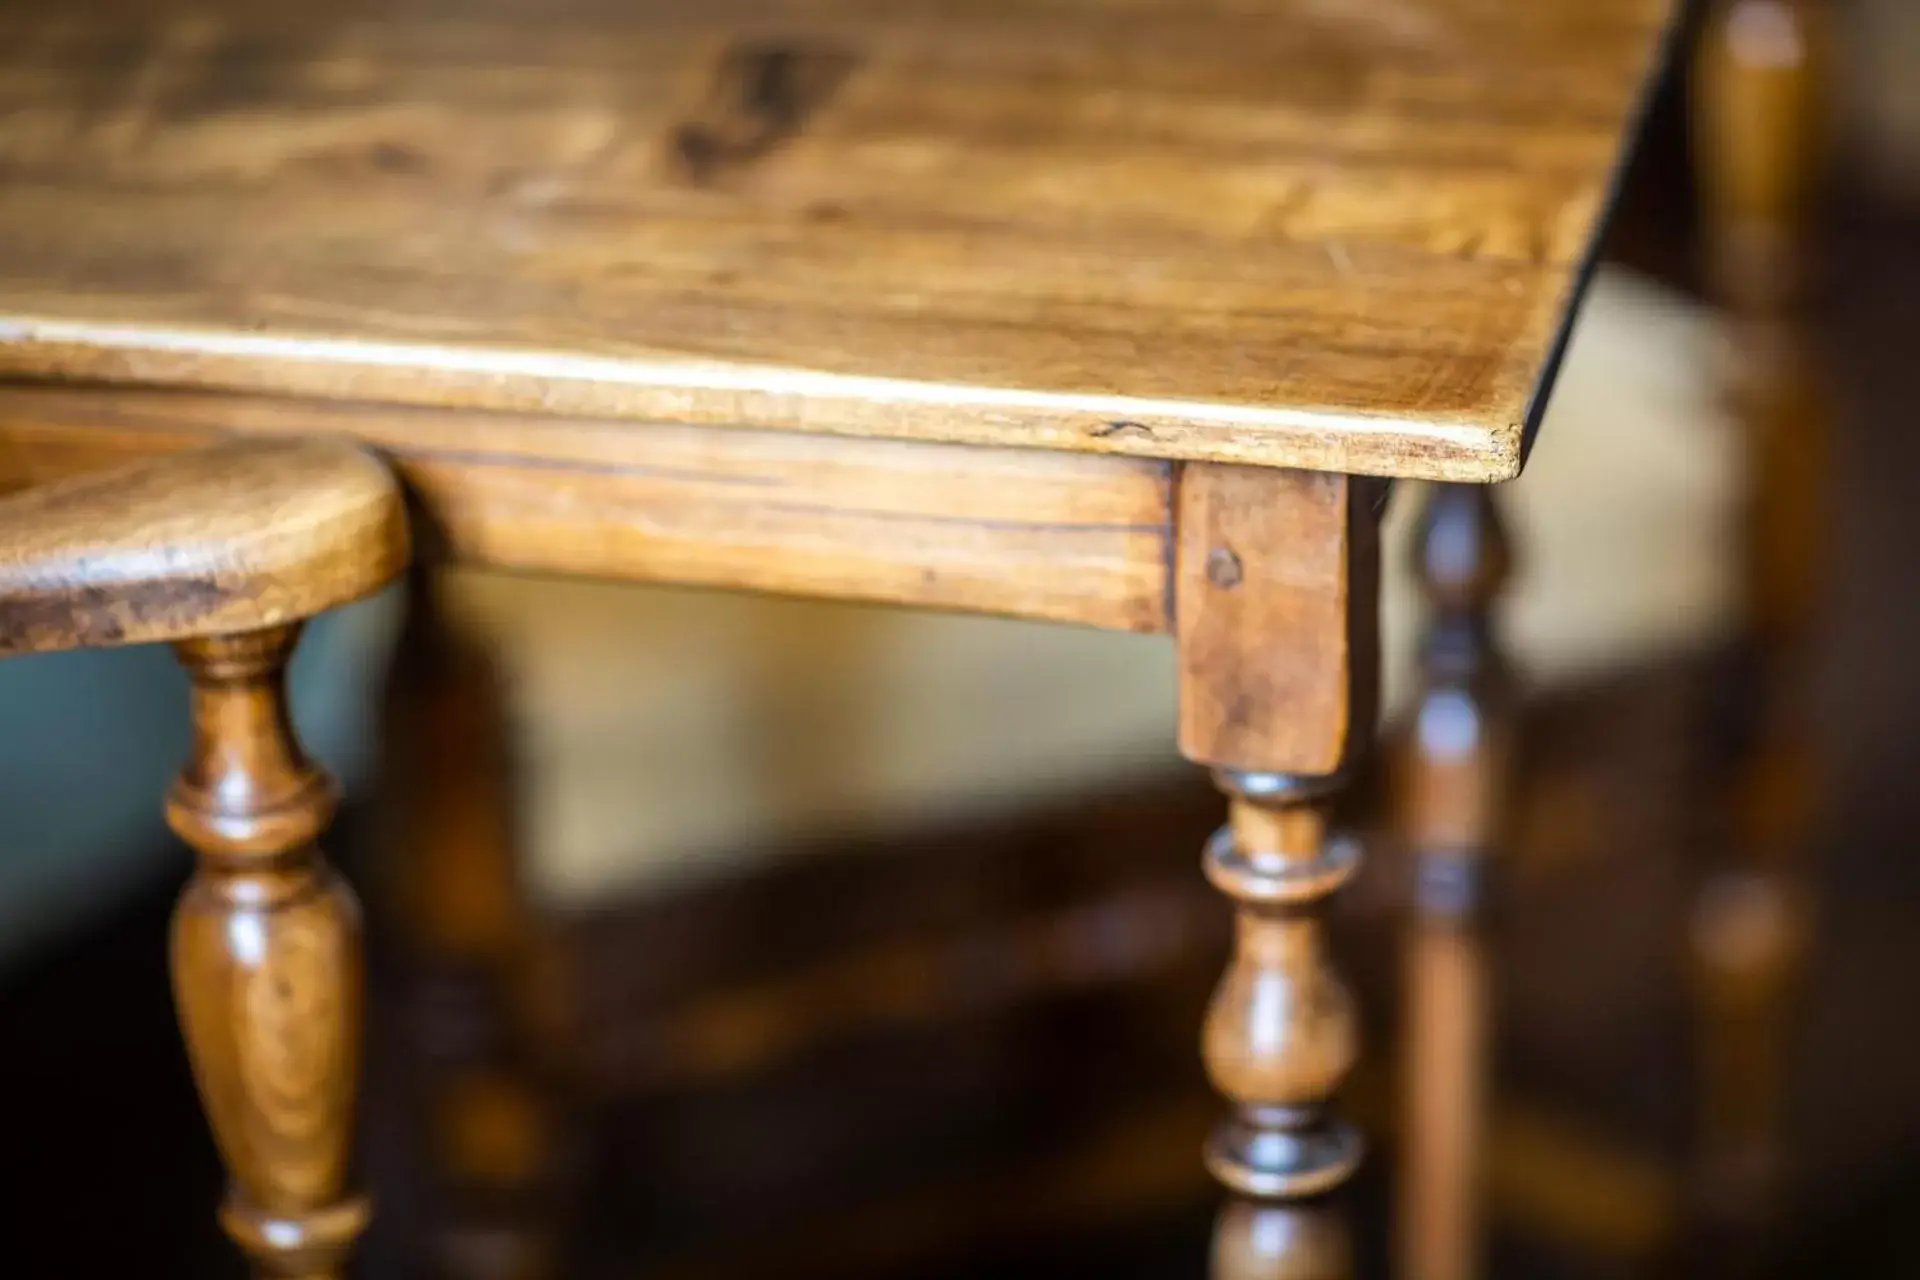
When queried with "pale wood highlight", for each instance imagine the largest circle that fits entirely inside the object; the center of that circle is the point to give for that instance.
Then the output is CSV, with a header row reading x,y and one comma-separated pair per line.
x,y
266,964
1276,598
1285,232
247,535
1253,1241
1062,537
1761,79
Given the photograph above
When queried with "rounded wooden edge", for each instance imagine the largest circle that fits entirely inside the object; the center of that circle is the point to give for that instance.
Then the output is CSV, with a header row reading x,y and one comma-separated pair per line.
x,y
244,536
370,549
1257,877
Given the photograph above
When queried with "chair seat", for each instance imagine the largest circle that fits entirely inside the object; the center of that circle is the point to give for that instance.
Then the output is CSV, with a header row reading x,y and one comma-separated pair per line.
x,y
245,535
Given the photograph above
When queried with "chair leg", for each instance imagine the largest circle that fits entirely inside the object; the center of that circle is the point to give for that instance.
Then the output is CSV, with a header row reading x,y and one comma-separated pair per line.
x,y
1452,788
1758,122
267,963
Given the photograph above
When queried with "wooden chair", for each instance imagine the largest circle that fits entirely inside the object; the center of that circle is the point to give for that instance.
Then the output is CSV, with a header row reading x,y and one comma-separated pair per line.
x,y
223,553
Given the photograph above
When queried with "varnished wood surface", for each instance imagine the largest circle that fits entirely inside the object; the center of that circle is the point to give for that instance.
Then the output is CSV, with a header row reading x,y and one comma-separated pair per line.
x,y
246,535
225,551
1281,1032
267,970
1326,235
1063,537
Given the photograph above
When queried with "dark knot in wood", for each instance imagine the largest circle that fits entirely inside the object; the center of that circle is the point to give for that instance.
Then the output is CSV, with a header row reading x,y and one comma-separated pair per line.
x,y
1223,568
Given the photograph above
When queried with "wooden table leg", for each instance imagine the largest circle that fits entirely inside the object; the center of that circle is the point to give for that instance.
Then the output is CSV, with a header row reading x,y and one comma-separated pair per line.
x,y
1451,788
266,962
486,1004
1276,589
1759,122
1281,1033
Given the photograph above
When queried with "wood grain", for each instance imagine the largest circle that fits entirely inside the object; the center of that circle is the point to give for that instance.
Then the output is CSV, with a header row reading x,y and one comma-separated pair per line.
x,y
1064,537
266,963
225,551
1276,587
1341,236
246,535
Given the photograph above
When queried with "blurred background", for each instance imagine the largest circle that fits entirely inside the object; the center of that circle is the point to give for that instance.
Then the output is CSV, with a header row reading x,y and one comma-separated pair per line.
x,y
723,936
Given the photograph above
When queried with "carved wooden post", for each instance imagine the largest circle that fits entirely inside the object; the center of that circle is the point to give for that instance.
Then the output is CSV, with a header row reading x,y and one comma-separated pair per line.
x,y
1452,780
1276,596
1281,1034
1759,120
266,962
224,552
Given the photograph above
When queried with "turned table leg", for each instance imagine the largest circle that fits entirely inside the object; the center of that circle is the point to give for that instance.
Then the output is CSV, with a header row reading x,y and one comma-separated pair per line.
x,y
266,963
1276,590
1451,789
1281,1033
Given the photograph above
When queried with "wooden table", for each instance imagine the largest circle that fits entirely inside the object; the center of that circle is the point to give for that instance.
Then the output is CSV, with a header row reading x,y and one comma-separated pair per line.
x,y
1100,312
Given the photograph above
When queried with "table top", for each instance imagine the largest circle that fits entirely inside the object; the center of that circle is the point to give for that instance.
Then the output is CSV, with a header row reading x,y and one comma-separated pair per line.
x,y
1342,234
